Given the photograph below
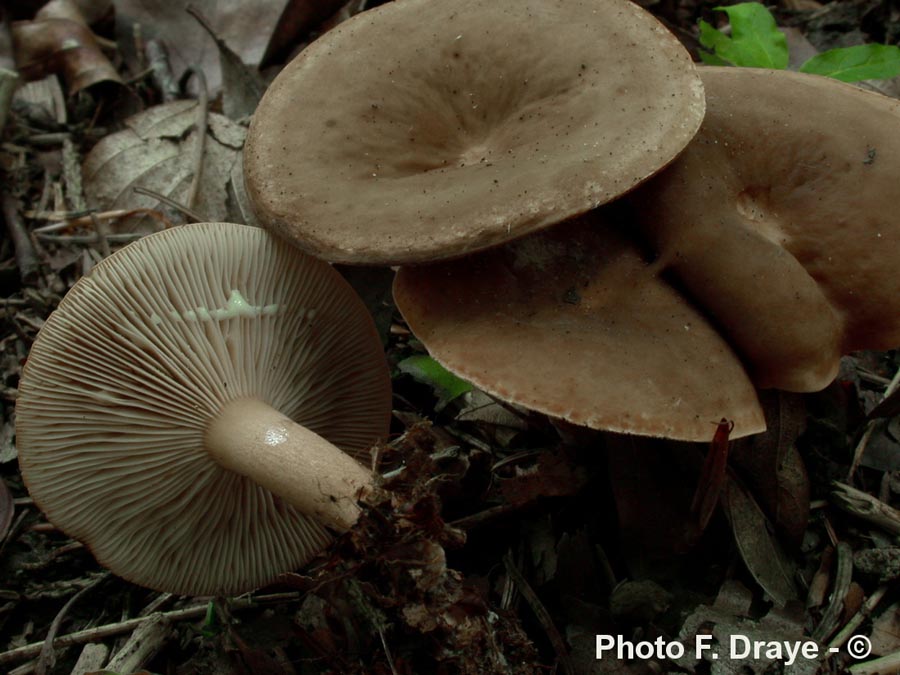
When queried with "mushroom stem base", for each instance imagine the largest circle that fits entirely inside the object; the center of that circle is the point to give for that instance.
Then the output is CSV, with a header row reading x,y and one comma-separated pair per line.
x,y
254,440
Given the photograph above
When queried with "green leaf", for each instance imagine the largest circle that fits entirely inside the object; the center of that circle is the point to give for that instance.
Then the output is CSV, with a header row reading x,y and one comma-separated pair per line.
x,y
755,41
210,626
852,64
713,39
426,370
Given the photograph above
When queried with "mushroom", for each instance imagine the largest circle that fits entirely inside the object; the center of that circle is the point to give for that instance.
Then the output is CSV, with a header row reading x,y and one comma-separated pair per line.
x,y
197,408
779,220
575,322
482,123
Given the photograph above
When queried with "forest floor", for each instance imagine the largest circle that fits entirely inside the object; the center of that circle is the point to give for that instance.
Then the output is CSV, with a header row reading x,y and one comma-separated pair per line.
x,y
510,541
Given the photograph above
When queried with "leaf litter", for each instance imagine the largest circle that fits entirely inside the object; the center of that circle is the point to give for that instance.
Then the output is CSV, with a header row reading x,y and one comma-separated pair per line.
x,y
502,542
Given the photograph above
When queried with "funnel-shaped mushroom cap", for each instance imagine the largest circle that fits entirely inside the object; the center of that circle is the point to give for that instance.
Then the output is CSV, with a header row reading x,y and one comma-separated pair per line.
x,y
140,357
422,130
781,220
574,323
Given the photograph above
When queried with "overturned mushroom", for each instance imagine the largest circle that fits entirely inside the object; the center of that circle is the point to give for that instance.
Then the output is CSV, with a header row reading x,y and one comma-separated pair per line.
x,y
575,323
421,130
780,220
187,409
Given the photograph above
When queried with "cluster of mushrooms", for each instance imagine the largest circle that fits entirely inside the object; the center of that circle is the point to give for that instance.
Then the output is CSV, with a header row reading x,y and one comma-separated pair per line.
x,y
199,409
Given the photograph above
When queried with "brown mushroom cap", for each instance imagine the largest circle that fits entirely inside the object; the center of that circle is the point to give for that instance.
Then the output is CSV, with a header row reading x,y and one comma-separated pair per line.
x,y
779,218
421,130
574,323
129,375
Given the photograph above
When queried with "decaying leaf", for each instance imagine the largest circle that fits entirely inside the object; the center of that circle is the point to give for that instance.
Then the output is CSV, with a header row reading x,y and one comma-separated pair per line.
x,y
555,475
155,152
729,617
638,602
886,631
712,476
245,26
479,407
242,86
59,41
771,466
758,545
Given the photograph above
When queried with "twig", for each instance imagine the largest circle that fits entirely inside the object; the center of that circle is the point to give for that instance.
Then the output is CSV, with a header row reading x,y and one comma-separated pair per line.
x,y
387,651
146,640
842,578
64,220
864,613
200,127
170,202
883,666
26,259
870,428
109,630
72,175
89,238
156,604
47,657
102,235
559,645
481,517
865,506
53,555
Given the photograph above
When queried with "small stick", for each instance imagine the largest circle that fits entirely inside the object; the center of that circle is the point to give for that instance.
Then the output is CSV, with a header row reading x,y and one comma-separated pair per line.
x,y
865,506
102,235
842,577
870,427
89,238
26,259
200,126
170,202
72,175
864,612
64,220
481,517
102,632
883,666
543,616
47,657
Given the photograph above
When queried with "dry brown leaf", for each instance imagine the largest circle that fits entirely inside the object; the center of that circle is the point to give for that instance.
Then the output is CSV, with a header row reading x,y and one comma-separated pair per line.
x,y
728,617
771,466
155,152
59,41
242,86
553,476
886,631
759,548
299,17
245,26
